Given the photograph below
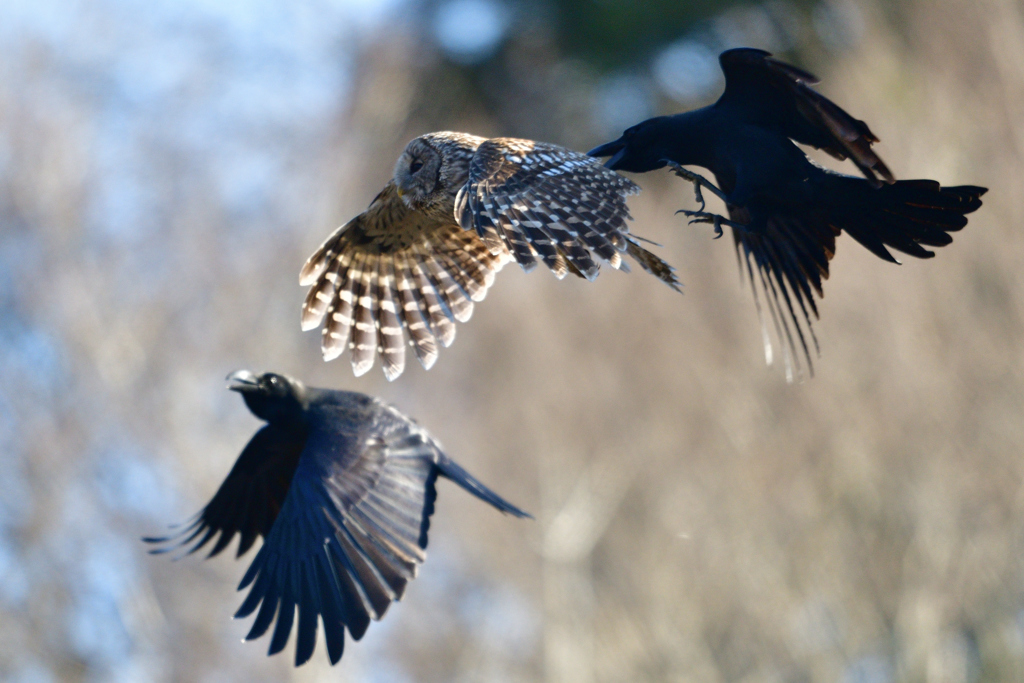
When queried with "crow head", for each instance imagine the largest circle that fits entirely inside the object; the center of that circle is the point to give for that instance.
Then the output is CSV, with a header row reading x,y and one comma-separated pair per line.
x,y
640,149
272,397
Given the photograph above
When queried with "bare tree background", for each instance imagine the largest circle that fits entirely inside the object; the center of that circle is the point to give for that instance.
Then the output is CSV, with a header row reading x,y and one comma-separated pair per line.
x,y
165,171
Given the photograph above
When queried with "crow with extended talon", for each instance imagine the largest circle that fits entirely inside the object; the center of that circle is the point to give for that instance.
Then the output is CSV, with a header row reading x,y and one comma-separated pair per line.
x,y
340,486
785,212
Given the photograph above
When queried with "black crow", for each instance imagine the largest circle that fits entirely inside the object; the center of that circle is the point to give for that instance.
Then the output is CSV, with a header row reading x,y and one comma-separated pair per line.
x,y
340,486
786,211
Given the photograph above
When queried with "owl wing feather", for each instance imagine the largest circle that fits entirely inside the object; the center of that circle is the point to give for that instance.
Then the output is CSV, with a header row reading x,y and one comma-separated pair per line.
x,y
549,203
391,272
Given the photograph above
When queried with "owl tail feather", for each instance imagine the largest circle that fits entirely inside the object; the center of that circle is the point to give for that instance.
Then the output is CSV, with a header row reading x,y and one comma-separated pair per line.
x,y
652,263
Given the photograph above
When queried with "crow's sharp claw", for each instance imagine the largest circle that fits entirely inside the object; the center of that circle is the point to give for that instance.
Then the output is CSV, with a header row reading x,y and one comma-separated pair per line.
x,y
710,218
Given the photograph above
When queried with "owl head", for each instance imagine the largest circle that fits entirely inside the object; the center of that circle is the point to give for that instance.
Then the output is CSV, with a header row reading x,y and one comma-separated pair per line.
x,y
418,174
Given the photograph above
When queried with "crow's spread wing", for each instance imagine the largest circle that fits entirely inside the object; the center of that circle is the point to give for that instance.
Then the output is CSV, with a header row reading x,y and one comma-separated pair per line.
x,y
787,260
777,95
351,534
787,252
249,500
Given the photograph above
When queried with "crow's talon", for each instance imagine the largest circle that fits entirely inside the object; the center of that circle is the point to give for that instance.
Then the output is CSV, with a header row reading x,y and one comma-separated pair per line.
x,y
712,219
716,223
699,196
701,215
697,180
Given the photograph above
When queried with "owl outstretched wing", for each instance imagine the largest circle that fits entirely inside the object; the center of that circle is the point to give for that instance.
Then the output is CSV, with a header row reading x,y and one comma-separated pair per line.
x,y
391,272
546,202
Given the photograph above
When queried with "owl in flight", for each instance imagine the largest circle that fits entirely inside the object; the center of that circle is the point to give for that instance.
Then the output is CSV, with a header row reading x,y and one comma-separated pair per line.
x,y
458,208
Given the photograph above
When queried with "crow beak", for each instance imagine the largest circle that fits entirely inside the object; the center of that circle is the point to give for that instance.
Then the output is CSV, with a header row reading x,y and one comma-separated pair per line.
x,y
242,380
616,150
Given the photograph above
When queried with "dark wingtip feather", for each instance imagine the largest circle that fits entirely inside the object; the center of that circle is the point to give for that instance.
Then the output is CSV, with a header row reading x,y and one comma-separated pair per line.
x,y
283,629
428,507
309,610
787,259
187,532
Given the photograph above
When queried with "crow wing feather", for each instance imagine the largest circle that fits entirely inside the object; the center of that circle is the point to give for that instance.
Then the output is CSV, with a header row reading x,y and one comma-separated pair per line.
x,y
249,500
776,95
352,531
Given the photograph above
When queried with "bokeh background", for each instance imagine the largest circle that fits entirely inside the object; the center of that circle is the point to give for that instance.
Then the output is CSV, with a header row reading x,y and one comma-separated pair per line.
x,y
165,169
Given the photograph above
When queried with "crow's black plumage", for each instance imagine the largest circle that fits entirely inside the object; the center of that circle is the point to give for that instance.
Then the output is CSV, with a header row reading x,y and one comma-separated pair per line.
x,y
786,211
340,486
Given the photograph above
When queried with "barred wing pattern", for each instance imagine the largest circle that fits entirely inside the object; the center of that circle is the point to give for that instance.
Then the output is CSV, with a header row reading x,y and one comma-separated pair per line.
x,y
392,272
782,97
544,201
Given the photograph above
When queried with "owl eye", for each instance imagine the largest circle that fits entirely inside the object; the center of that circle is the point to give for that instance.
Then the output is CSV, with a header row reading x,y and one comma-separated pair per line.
x,y
415,166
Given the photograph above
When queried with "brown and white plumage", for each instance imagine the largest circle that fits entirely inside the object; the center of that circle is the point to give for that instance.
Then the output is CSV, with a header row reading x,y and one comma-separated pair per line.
x,y
457,209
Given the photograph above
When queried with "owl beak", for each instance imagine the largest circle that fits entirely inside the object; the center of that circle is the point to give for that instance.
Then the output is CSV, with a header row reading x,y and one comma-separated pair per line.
x,y
405,197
